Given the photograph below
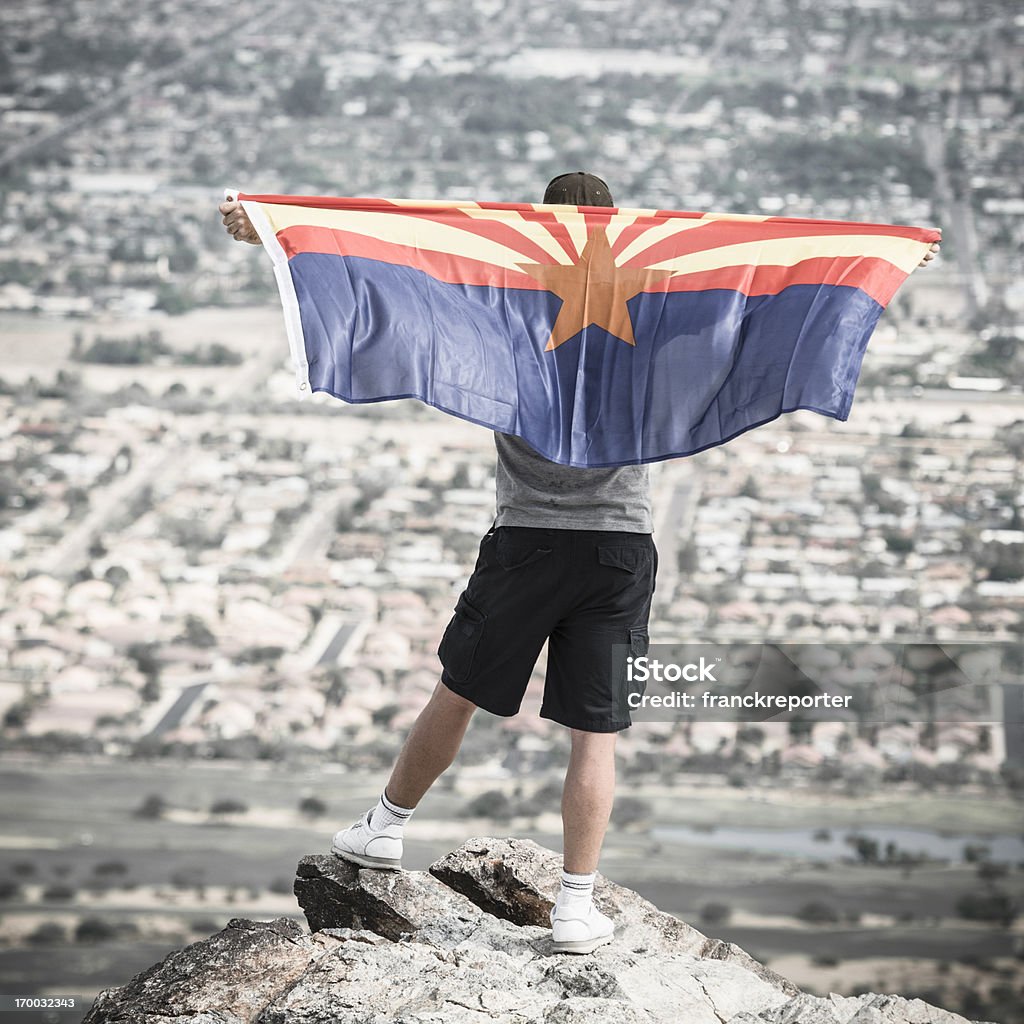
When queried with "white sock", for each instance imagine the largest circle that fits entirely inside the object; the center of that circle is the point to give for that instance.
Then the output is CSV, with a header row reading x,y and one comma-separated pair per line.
x,y
388,813
576,888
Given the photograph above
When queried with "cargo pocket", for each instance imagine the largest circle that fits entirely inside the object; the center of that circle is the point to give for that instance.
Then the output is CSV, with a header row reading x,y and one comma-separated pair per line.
x,y
629,686
461,639
639,641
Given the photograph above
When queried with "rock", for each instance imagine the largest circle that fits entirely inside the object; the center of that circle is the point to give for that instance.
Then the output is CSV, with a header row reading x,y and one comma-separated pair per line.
x,y
518,880
230,977
869,1008
469,941
336,894
881,1009
801,1009
511,878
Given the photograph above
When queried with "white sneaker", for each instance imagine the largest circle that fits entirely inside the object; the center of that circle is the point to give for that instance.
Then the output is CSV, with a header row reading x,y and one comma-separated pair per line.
x,y
358,844
578,929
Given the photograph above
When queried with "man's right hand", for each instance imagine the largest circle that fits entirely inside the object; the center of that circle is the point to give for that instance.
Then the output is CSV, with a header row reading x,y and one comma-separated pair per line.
x,y
237,222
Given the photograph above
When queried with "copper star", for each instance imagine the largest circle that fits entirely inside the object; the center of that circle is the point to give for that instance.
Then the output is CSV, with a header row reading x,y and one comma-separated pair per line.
x,y
593,291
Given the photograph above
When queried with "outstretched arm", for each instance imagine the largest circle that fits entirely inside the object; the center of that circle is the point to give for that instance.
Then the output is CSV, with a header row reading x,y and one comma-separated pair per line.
x,y
237,222
928,256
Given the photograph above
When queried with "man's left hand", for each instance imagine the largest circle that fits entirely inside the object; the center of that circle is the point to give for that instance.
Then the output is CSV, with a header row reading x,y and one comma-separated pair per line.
x,y
930,255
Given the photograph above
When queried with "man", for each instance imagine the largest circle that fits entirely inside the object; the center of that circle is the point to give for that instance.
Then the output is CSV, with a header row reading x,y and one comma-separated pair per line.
x,y
570,560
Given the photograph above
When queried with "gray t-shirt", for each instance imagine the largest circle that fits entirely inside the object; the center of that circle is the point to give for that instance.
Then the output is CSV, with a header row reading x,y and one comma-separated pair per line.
x,y
531,491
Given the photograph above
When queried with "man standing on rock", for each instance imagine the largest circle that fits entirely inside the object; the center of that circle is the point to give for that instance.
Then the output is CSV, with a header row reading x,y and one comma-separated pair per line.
x,y
570,560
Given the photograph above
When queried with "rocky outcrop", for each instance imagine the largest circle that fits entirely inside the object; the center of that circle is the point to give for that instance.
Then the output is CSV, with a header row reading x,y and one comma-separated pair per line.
x,y
468,940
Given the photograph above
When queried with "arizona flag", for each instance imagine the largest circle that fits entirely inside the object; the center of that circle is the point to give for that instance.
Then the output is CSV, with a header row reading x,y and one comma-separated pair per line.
x,y
600,336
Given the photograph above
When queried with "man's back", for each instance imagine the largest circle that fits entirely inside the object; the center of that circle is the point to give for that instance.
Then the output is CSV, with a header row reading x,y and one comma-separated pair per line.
x,y
531,491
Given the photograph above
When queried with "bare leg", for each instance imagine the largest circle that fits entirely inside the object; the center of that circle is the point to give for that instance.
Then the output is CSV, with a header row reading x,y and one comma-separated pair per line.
x,y
430,747
587,798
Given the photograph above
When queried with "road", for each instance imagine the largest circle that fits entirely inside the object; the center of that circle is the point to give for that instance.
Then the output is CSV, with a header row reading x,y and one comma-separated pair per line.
x,y
200,50
676,501
179,709
1013,722
334,649
72,550
959,211
736,17
312,535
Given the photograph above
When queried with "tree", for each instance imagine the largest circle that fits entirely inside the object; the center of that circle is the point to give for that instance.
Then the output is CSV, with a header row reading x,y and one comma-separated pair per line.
x,y
137,350
988,905
897,542
715,913
151,808
9,890
816,912
493,804
547,798
312,807
307,94
49,933
750,488
173,300
94,929
110,869
865,848
630,810
686,557
151,690
800,730
991,871
382,716
17,715
58,893
197,633
984,739
228,805
183,257
144,656
77,499
116,575
751,734
336,686
258,655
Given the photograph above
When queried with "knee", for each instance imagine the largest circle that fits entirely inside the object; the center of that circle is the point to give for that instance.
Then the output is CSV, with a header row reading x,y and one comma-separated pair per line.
x,y
454,701
583,740
592,747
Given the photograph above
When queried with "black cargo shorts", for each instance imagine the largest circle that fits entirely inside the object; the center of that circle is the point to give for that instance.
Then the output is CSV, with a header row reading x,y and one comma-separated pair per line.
x,y
587,592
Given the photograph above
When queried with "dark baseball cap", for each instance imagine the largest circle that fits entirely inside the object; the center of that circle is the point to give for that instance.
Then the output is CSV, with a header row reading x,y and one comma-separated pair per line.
x,y
578,188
